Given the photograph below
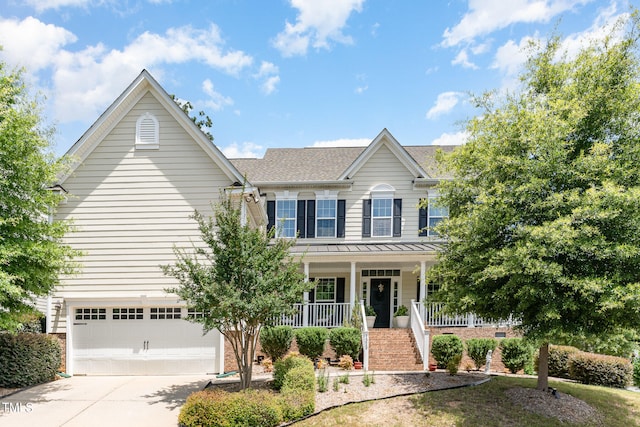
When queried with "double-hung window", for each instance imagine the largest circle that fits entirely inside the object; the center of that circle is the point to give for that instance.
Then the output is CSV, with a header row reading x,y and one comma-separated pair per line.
x,y
325,289
286,218
432,215
326,210
381,217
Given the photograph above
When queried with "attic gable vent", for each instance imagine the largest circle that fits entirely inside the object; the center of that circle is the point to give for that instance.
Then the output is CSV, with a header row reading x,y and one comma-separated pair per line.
x,y
147,132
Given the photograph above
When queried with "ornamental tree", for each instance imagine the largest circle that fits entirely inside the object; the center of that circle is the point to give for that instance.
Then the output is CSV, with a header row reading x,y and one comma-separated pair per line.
x,y
240,279
32,252
544,202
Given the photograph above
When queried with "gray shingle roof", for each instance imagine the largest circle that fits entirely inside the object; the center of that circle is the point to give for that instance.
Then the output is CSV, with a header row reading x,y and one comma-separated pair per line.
x,y
320,163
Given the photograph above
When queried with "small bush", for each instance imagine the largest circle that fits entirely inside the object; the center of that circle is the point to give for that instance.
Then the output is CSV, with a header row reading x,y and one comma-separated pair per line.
x,y
346,341
453,363
559,357
284,365
297,395
218,408
597,369
477,349
368,379
345,362
311,341
446,347
323,381
636,372
516,354
27,359
275,341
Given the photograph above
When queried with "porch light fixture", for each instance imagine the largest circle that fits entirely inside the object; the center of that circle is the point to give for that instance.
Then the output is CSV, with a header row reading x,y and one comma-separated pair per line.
x,y
381,287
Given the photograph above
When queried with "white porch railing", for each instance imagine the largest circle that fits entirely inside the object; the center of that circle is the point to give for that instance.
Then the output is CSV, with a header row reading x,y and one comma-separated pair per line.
x,y
432,315
326,314
365,337
420,334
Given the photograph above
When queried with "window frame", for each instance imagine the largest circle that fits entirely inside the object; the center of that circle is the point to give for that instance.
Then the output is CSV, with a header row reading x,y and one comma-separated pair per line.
x,y
322,198
291,198
388,219
433,197
323,281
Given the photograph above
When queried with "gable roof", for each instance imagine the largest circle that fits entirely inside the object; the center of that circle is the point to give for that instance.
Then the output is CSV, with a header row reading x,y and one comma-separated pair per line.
x,y
142,85
334,164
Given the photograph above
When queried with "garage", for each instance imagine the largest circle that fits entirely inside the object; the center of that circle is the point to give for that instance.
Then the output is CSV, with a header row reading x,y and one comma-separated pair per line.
x,y
143,340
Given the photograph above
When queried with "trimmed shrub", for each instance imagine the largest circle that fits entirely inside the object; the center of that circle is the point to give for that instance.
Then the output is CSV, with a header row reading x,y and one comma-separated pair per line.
x,y
346,341
559,357
445,347
598,369
275,341
218,408
297,395
477,349
311,341
284,365
28,358
516,354
636,372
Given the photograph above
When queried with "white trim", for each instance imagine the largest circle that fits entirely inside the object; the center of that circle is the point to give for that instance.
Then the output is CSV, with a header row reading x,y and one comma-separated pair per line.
x,y
147,132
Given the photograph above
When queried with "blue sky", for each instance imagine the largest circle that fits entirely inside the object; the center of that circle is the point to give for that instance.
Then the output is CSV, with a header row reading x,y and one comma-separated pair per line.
x,y
288,73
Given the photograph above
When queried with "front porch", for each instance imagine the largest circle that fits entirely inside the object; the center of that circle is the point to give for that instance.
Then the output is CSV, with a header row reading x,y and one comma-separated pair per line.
x,y
334,315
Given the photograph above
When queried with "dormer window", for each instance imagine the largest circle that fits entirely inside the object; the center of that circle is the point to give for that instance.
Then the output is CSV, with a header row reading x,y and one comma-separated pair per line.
x,y
382,213
147,132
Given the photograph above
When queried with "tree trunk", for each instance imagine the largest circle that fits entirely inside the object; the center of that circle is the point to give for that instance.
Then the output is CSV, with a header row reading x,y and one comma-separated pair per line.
x,y
543,367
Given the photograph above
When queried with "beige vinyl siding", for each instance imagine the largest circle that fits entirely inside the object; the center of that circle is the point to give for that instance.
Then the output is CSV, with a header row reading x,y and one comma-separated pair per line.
x,y
383,168
130,207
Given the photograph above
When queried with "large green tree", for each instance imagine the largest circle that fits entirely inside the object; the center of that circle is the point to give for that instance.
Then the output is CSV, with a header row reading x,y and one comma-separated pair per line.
x,y
32,254
544,202
241,280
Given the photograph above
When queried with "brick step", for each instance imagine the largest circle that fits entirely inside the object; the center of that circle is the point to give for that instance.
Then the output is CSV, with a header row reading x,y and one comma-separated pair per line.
x,y
393,350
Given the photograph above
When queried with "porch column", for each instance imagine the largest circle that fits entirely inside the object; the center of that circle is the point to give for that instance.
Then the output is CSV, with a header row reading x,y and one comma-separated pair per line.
x,y
352,285
423,284
305,298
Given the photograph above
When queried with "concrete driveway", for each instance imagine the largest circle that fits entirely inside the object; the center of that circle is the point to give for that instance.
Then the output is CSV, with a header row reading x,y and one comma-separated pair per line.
x,y
96,401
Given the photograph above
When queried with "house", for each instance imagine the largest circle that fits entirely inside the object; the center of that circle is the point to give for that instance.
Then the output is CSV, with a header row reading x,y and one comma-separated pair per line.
x,y
143,167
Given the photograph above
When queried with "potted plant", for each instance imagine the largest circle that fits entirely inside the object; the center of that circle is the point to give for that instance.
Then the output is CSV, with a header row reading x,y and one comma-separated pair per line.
x,y
401,317
371,316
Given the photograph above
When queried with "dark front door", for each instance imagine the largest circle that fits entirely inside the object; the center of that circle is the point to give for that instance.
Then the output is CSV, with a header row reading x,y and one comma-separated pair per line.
x,y
380,301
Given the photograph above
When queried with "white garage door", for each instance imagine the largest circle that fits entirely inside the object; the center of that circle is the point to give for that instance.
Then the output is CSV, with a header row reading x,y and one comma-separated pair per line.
x,y
141,341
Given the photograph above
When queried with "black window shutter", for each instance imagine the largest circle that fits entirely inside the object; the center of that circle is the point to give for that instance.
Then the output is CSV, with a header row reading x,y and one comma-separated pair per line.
x,y
300,222
311,218
418,290
366,218
271,214
397,217
340,289
422,221
341,219
312,292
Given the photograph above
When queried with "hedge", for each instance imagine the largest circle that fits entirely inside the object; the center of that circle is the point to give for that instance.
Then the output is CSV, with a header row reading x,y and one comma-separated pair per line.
x,y
218,408
346,341
28,358
477,349
284,365
311,341
445,348
636,372
516,353
297,395
275,341
559,358
597,369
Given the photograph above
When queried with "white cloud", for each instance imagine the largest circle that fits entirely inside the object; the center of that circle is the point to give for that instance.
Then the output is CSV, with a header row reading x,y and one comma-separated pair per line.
x,y
510,56
463,59
486,16
446,102
84,81
343,142
317,23
38,50
457,138
244,150
269,74
361,89
42,5
216,100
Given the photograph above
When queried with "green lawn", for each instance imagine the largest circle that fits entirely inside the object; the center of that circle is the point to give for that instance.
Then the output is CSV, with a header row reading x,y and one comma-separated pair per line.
x,y
484,405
